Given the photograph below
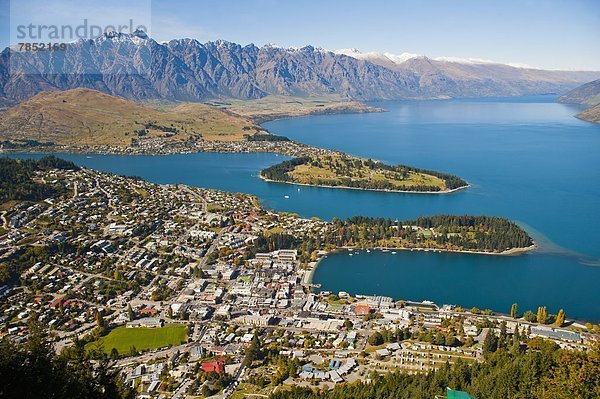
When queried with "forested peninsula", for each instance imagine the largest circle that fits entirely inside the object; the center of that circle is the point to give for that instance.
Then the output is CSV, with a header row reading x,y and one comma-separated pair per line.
x,y
343,171
454,233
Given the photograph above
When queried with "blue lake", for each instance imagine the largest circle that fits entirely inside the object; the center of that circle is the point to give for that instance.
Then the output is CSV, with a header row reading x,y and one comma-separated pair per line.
x,y
527,159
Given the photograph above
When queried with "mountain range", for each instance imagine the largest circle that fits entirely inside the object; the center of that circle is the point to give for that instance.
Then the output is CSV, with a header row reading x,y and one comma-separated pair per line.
x,y
139,68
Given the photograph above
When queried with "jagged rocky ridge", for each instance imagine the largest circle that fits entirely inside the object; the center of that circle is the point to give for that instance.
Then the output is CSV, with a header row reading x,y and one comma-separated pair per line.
x,y
139,68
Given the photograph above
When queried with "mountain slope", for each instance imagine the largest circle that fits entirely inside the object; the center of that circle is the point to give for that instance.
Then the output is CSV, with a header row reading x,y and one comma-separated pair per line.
x,y
587,94
591,114
137,67
89,117
455,77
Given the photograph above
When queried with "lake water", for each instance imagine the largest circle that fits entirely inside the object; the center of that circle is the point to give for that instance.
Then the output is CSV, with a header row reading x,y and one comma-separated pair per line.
x,y
527,159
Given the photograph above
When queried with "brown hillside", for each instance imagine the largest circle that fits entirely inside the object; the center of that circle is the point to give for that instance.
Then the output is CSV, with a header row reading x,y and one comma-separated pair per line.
x,y
89,117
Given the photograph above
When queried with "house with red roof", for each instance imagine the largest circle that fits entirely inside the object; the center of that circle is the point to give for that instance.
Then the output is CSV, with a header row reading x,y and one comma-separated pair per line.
x,y
217,366
362,309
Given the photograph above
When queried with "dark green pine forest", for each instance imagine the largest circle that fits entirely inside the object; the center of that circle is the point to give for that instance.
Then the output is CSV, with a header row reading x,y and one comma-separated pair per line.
x,y
31,370
16,178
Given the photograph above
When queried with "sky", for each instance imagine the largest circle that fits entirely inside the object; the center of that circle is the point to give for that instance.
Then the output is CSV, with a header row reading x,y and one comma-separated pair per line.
x,y
550,34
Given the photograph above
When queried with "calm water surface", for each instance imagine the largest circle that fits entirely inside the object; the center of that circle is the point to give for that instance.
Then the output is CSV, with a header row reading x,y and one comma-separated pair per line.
x,y
527,159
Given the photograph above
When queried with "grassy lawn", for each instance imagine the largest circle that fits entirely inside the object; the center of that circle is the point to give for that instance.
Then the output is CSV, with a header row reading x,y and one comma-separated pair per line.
x,y
245,391
123,338
333,170
335,307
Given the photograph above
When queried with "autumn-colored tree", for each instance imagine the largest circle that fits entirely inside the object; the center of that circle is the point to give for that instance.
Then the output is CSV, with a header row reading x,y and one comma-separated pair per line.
x,y
542,315
514,311
560,318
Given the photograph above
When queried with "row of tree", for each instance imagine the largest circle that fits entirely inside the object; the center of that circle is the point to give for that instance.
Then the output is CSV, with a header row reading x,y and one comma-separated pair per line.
x,y
541,316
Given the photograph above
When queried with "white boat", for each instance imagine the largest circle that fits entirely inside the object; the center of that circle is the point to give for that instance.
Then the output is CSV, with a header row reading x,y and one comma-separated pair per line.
x,y
286,196
368,251
351,254
394,253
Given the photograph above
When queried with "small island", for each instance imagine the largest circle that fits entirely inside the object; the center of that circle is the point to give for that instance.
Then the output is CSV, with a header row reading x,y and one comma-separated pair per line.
x,y
343,171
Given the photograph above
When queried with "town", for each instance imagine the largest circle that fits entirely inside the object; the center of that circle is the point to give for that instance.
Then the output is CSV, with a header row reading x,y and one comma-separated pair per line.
x,y
259,142
193,292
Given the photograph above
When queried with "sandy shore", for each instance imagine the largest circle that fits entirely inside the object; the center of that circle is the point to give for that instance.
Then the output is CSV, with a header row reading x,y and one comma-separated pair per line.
x,y
509,252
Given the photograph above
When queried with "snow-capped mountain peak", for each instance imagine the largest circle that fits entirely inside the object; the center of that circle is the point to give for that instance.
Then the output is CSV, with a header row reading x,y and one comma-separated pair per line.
x,y
350,52
399,59
391,59
459,60
378,58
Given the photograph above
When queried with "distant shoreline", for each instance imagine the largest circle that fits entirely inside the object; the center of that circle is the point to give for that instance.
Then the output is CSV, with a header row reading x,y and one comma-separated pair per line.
x,y
358,108
366,189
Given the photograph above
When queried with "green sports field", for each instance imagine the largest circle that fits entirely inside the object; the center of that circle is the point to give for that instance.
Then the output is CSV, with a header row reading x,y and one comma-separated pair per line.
x,y
123,338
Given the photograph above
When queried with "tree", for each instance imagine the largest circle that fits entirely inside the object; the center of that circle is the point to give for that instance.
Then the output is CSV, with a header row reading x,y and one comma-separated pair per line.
x,y
376,339
451,340
560,318
100,320
348,324
542,315
439,339
514,311
502,338
32,370
253,352
490,343
516,341
575,375
130,313
530,316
